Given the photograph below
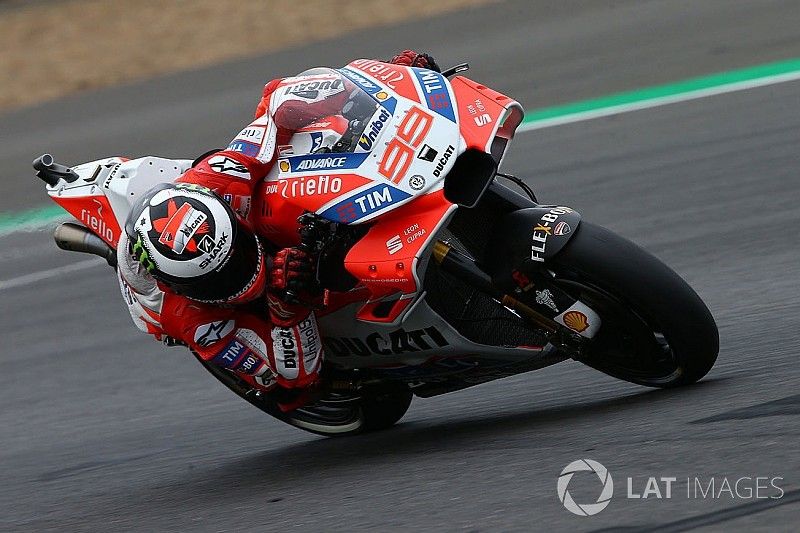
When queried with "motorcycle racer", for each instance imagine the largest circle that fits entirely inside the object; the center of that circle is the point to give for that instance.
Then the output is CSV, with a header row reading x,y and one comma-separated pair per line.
x,y
195,268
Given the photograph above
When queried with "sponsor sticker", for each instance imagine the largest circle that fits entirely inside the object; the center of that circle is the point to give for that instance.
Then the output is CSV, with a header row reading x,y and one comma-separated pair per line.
x,y
478,112
365,203
249,364
395,342
252,134
312,90
231,354
562,228
427,153
246,148
373,130
394,245
322,163
545,297
97,223
416,182
309,342
523,282
241,204
359,79
215,251
413,232
316,140
314,162
576,321
437,97
310,186
206,244
381,71
284,345
370,88
544,228
443,161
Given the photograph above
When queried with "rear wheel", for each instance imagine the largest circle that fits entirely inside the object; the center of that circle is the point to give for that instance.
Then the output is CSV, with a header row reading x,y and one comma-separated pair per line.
x,y
656,331
335,415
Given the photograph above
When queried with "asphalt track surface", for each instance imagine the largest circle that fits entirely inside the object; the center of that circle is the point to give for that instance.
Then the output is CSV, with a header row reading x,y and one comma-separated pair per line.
x,y
104,429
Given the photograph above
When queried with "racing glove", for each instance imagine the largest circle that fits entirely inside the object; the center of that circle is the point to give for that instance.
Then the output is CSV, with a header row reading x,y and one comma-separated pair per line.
x,y
291,278
410,58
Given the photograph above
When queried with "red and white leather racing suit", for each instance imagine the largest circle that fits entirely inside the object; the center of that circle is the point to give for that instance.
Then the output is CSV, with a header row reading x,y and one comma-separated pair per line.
x,y
266,343
281,347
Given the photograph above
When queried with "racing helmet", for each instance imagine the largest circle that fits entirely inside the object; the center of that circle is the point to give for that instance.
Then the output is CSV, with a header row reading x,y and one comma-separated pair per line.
x,y
192,241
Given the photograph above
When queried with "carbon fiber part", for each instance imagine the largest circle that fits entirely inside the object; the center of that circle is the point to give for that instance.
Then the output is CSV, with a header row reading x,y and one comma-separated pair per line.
x,y
473,314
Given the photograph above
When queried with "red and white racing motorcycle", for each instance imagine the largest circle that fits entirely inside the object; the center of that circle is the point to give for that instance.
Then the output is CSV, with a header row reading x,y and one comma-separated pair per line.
x,y
439,276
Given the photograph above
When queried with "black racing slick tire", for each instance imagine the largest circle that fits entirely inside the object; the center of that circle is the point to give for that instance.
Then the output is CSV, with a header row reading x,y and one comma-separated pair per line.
x,y
332,416
656,331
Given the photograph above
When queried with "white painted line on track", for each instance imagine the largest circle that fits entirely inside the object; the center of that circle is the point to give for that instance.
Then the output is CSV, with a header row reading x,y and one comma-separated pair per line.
x,y
608,111
34,277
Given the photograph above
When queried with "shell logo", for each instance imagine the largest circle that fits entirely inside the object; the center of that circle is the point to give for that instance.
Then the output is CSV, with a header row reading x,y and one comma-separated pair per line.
x,y
284,166
381,96
576,321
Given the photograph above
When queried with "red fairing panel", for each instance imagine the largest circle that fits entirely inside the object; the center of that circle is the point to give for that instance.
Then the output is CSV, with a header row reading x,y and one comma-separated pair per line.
x,y
385,260
313,192
95,213
396,77
485,114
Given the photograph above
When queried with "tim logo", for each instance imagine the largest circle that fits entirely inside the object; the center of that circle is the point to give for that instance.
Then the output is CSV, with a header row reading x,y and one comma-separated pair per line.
x,y
437,95
374,199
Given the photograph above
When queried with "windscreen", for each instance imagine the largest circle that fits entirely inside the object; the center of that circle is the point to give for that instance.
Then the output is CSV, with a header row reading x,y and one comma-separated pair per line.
x,y
324,94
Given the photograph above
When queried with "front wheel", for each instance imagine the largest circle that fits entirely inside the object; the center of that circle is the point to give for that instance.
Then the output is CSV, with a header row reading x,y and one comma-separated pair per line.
x,y
332,416
656,331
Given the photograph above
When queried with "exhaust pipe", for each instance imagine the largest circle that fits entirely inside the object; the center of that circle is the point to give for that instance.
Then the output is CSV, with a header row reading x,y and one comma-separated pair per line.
x,y
76,238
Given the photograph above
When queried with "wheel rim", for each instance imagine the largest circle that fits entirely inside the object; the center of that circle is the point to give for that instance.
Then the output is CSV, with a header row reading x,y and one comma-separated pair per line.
x,y
328,416
628,345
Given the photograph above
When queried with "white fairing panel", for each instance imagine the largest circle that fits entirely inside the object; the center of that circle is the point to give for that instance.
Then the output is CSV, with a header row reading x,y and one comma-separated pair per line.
x,y
123,182
135,177
422,335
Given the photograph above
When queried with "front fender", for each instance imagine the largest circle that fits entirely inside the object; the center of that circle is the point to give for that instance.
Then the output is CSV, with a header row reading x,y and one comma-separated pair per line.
x,y
531,236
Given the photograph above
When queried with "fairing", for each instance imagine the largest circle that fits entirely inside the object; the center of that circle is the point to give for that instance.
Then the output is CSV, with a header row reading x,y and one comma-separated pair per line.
x,y
106,189
410,127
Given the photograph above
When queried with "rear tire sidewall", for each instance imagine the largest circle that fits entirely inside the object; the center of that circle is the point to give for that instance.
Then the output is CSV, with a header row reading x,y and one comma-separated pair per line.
x,y
651,289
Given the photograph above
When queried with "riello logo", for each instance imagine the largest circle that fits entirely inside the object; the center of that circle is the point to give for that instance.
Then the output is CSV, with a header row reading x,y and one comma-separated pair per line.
x,y
97,224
